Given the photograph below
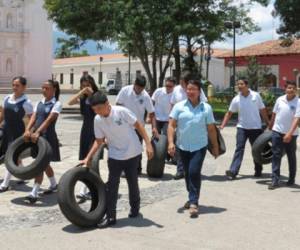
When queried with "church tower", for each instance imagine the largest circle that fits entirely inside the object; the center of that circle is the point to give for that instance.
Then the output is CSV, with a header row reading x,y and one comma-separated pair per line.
x,y
25,42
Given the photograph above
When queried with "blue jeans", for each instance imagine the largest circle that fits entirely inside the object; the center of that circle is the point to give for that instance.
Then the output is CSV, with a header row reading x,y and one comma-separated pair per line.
x,y
277,148
192,163
242,136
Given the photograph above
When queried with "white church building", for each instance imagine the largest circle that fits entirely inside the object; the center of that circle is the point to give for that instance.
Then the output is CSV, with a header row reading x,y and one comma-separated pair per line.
x,y
25,42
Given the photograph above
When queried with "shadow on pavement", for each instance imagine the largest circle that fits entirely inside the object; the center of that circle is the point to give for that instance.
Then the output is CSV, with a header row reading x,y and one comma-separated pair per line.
x,y
43,201
204,210
77,230
136,222
72,117
166,177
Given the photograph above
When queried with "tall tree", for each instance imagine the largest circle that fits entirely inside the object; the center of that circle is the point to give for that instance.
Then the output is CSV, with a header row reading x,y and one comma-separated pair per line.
x,y
289,14
153,30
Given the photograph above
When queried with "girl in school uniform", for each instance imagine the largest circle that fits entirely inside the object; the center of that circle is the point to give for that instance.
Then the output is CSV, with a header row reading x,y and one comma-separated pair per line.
x,y
15,108
42,123
87,137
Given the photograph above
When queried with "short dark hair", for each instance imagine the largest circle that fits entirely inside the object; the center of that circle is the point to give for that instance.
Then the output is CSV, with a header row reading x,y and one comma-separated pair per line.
x,y
186,75
171,79
90,80
244,79
21,79
291,83
98,98
195,82
140,81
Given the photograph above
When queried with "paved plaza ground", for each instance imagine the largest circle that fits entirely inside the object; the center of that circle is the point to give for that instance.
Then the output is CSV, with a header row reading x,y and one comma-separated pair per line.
x,y
240,214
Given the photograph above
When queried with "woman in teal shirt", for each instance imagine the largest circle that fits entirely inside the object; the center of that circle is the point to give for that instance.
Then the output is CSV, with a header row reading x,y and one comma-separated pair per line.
x,y
193,121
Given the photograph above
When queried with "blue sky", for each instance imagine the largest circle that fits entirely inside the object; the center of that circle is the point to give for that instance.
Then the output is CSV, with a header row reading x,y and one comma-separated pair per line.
x,y
261,16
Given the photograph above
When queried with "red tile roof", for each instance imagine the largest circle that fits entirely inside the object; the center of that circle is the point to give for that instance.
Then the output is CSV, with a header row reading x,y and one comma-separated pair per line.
x,y
267,48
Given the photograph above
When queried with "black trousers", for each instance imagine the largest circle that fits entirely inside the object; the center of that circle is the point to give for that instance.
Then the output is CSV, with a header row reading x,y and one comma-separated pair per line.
x,y
139,167
116,167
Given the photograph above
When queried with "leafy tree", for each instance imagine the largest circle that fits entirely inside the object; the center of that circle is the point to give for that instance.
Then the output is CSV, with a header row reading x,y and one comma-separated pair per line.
x,y
69,48
153,31
288,12
256,74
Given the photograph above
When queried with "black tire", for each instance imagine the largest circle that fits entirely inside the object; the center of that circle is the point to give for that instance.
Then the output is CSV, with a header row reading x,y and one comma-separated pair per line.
x,y
67,201
17,149
95,165
156,166
262,148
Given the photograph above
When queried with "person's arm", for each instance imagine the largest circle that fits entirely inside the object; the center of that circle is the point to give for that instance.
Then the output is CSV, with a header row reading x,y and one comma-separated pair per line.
x,y
271,123
212,134
171,131
27,133
51,118
264,115
226,119
153,124
141,130
97,143
75,99
288,136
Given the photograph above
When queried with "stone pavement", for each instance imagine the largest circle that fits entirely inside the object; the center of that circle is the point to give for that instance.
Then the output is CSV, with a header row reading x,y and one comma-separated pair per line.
x,y
240,214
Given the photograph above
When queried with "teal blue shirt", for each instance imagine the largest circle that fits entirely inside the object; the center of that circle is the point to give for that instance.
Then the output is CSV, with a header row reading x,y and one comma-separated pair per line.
x,y
192,124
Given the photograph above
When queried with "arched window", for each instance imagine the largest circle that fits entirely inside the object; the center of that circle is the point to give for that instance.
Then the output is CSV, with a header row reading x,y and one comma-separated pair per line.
x,y
9,21
9,65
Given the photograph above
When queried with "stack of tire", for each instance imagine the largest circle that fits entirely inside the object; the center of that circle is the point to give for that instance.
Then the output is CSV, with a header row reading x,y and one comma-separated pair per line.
x,y
91,178
156,166
40,151
262,148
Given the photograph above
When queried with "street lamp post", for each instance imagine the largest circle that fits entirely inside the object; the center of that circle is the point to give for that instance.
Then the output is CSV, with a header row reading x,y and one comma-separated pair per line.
x,y
233,25
100,70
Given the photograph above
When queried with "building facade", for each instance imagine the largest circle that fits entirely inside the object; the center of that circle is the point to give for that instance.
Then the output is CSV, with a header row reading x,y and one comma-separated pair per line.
x,y
282,61
25,42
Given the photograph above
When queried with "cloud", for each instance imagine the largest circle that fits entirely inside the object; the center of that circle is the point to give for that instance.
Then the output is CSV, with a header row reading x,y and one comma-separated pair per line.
x,y
263,18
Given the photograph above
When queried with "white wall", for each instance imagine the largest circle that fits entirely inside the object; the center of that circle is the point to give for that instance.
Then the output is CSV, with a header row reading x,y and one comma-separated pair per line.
x,y
38,44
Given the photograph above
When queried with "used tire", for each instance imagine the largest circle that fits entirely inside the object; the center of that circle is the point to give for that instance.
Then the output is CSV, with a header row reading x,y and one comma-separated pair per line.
x,y
95,165
156,166
67,201
262,148
20,149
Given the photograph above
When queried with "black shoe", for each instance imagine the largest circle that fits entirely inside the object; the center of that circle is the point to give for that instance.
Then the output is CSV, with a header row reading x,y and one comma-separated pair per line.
x,y
257,174
107,222
178,176
273,186
83,197
133,214
51,190
290,183
3,189
230,175
186,205
31,199
139,171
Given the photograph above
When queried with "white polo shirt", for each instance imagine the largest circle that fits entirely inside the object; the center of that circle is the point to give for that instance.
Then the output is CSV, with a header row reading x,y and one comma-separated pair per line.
x,y
285,112
118,129
138,104
162,104
27,105
248,109
179,94
297,113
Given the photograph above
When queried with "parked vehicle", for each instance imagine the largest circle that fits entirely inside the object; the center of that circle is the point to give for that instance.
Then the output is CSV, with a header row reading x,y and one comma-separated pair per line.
x,y
113,86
